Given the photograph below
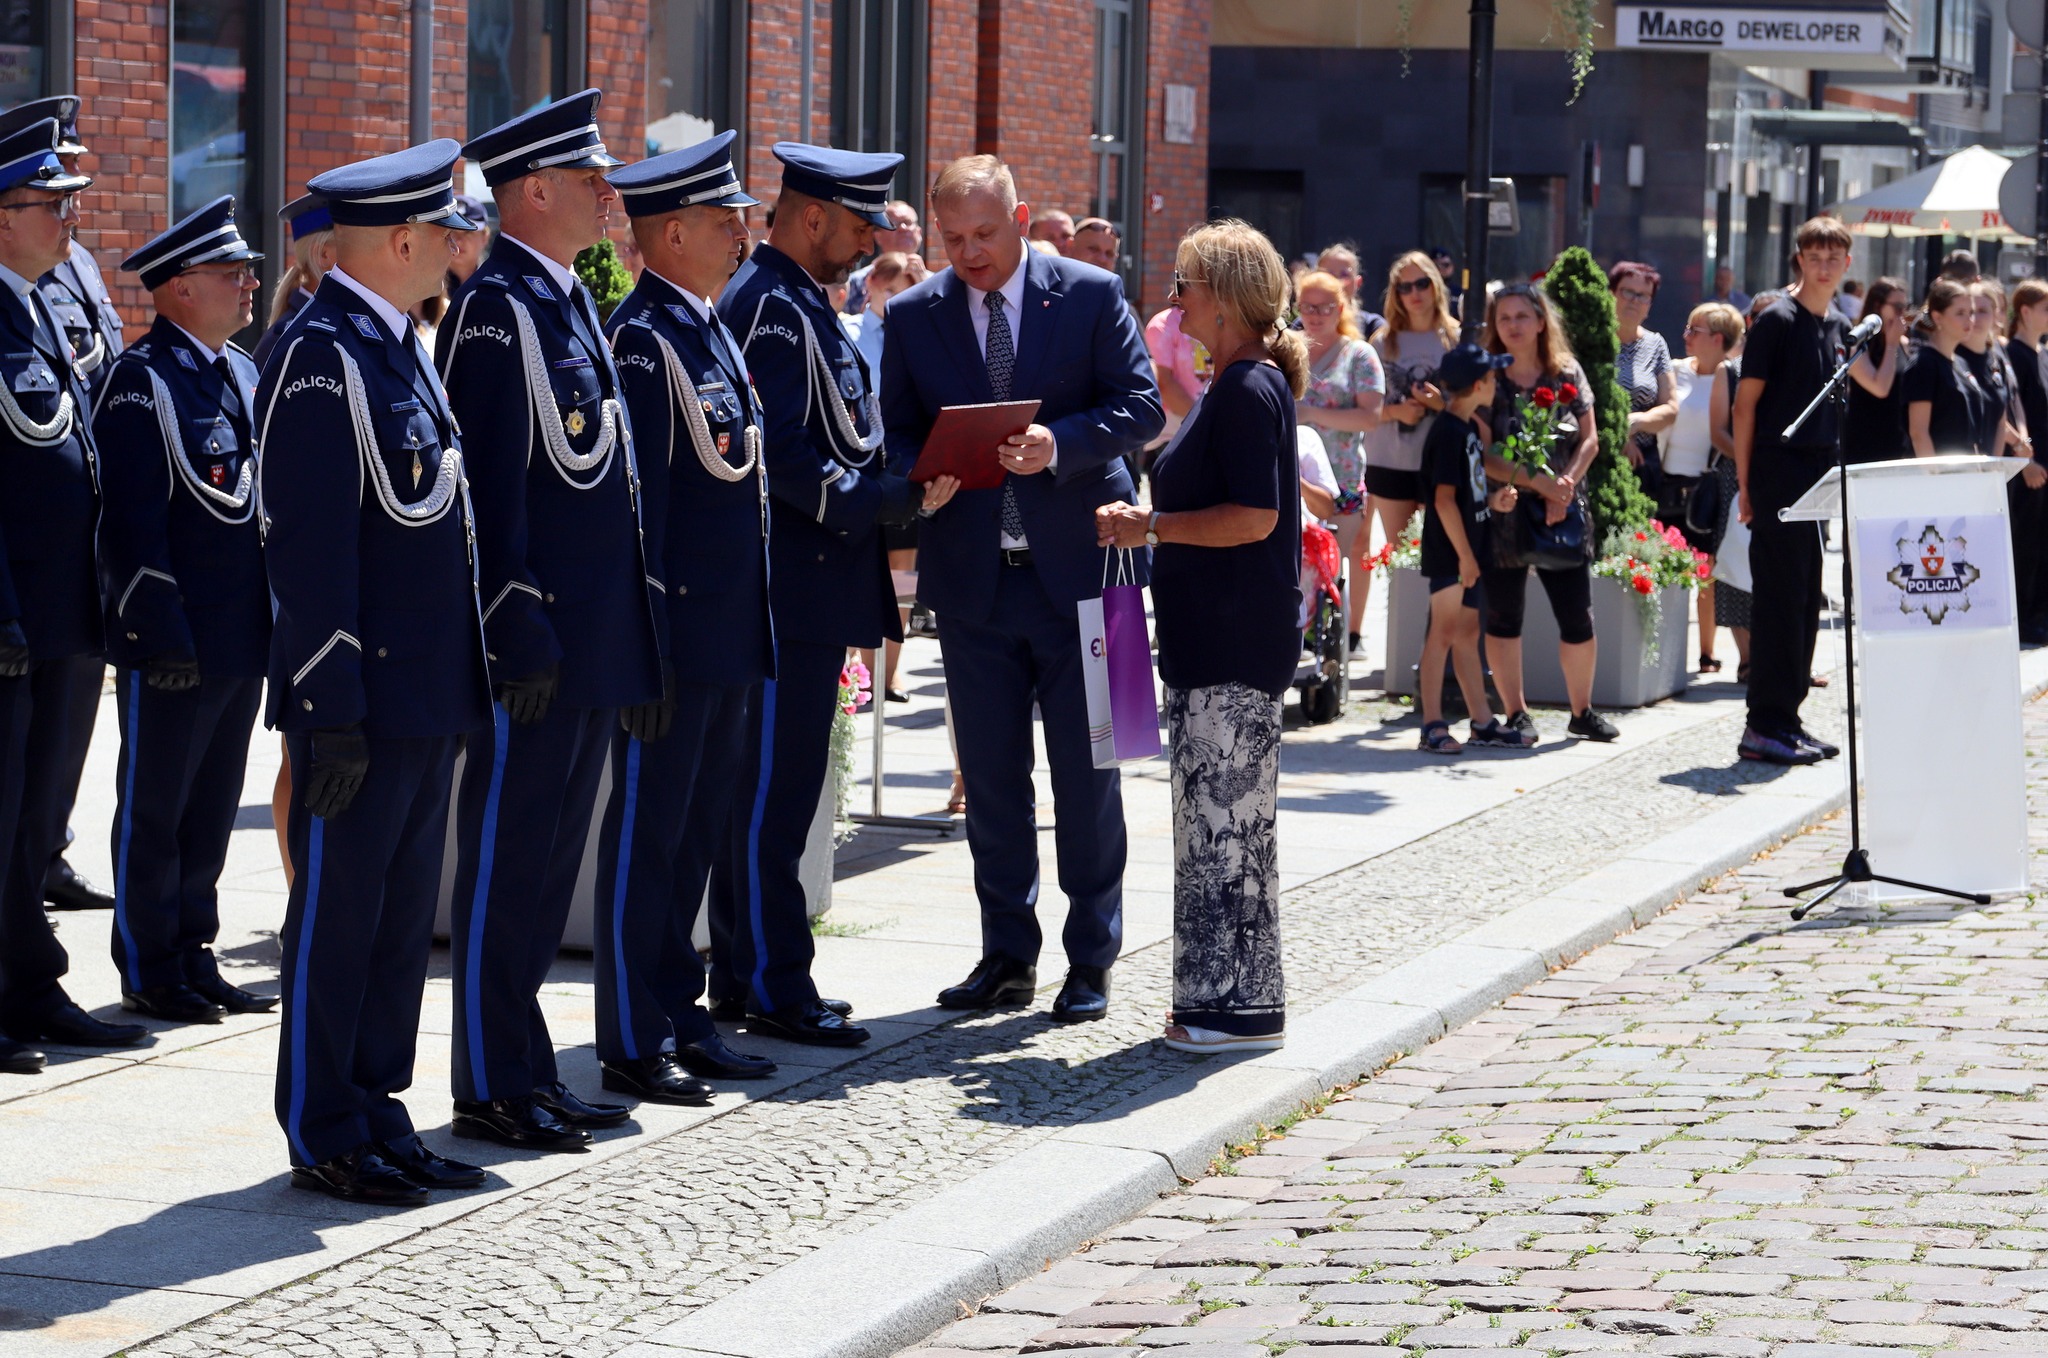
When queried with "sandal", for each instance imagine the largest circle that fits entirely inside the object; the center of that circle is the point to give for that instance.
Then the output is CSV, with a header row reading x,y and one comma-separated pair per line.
x,y
1436,739
1495,734
1817,681
956,800
1742,674
1182,1037
1709,665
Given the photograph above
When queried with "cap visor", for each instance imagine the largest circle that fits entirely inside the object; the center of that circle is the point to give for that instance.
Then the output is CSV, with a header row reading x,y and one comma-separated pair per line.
x,y
71,147
735,200
63,183
596,160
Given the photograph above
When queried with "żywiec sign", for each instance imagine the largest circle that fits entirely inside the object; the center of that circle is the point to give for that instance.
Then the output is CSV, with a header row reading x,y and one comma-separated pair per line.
x,y
1783,30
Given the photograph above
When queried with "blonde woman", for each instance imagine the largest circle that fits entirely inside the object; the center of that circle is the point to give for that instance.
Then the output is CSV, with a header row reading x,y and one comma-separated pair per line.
x,y
312,232
1226,515
1419,331
1342,404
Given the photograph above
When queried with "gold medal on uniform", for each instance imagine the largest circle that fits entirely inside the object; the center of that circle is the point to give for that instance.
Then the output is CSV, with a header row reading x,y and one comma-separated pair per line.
x,y
574,423
416,471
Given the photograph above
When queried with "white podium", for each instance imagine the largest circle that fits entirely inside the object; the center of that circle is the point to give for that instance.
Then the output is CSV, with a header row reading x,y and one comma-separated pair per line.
x,y
1943,760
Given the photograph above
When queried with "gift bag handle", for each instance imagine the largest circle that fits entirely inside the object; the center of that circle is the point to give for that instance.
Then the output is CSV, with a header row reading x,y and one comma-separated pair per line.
x,y
1126,573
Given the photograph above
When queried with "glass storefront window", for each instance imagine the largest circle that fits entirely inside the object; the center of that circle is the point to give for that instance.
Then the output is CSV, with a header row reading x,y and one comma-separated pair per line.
x,y
689,71
24,50
212,103
879,82
1115,77
518,58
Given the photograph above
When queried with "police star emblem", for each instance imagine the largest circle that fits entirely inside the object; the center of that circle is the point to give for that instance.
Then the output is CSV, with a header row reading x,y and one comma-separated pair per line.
x,y
1933,574
574,422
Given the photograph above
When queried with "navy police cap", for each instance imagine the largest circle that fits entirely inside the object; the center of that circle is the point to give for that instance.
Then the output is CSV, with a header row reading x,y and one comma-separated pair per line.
x,y
561,135
62,107
682,178
413,185
28,160
856,180
306,214
202,237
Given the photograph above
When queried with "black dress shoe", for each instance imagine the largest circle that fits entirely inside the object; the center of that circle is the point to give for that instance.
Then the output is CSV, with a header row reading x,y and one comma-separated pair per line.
x,y
64,889
409,1156
713,1060
816,1026
735,1011
176,1002
995,981
571,1111
843,1008
519,1122
232,997
895,695
1084,997
360,1175
656,1079
19,1059
65,1024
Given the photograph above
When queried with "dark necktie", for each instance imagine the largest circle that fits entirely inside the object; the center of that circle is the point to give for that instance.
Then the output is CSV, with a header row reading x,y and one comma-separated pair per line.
x,y
231,395
1001,360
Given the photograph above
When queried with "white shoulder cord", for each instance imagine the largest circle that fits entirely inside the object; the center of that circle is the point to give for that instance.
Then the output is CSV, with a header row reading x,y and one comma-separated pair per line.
x,y
27,430
174,450
700,432
92,360
447,477
549,415
849,433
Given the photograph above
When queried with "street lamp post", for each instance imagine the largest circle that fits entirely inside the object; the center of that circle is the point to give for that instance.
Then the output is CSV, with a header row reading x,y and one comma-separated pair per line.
x,y
1478,165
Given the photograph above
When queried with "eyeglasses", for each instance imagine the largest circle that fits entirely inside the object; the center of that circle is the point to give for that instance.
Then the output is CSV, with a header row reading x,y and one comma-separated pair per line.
x,y
1181,283
240,275
61,206
1413,286
1632,295
1320,309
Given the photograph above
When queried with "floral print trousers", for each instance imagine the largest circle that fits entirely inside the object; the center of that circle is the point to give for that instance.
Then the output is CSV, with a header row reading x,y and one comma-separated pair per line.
x,y
1225,744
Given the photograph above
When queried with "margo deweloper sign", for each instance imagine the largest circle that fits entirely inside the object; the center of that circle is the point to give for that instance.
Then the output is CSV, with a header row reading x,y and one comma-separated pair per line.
x,y
1785,30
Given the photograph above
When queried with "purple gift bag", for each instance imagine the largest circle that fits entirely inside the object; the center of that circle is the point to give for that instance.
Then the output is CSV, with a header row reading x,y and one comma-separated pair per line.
x,y
1116,668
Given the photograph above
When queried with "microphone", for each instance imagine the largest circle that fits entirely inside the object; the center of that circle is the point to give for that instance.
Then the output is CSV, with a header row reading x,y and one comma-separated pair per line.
x,y
1865,331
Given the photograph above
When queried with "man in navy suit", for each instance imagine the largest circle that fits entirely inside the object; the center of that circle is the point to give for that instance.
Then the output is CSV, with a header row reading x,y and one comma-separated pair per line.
x,y
1003,568
573,612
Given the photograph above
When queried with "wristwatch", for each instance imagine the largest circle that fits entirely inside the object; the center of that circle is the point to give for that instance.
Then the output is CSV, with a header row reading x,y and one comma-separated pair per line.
x,y
1152,530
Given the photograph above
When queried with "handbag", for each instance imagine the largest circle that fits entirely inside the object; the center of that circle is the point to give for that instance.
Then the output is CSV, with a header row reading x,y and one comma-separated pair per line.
x,y
1116,671
1547,546
1703,504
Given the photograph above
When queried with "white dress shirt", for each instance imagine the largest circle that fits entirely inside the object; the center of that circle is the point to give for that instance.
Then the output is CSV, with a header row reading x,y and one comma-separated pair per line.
x,y
565,277
1013,311
22,288
209,354
395,320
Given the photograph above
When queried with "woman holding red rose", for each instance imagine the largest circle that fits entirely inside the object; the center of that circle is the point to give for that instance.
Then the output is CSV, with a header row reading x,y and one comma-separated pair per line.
x,y
1521,323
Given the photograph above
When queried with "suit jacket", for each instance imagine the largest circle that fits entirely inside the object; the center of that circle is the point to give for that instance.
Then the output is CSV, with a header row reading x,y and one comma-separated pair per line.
x,y
1082,356
49,489
181,544
368,537
77,296
707,535
566,575
830,582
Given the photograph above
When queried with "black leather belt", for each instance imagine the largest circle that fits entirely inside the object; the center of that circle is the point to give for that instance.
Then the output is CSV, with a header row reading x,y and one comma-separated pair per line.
x,y
1016,556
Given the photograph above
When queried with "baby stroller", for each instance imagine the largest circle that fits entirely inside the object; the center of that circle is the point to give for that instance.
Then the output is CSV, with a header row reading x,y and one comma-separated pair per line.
x,y
1323,676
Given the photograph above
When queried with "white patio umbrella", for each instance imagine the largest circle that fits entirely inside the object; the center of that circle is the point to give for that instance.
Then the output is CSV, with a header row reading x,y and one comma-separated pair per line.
x,y
1955,196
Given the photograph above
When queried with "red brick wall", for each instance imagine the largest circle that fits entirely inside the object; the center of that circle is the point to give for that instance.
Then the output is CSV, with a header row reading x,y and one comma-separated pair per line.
x,y
774,83
955,80
616,40
123,61
1045,113
346,81
1178,54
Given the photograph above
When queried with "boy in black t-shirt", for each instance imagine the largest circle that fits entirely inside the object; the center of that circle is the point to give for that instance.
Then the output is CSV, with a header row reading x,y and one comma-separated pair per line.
x,y
1792,349
1454,529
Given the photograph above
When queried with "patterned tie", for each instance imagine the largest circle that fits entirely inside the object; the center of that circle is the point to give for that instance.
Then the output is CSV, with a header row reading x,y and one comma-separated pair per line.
x,y
1002,362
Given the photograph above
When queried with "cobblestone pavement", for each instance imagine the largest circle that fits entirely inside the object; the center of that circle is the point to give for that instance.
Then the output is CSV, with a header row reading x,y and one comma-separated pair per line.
x,y
1725,1135
594,1260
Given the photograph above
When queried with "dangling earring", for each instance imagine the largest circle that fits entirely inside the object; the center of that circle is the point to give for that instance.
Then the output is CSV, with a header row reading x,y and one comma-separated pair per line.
x,y
1219,320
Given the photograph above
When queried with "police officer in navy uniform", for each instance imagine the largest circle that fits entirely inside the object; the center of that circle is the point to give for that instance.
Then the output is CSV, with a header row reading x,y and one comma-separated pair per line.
x,y
830,486
188,610
670,812
573,615
376,671
77,296
312,232
49,591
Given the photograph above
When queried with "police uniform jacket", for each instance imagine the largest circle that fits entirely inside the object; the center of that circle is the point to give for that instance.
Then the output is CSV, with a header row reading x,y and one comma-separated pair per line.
x,y
367,534
829,476
565,570
181,547
267,342
705,487
49,487
77,297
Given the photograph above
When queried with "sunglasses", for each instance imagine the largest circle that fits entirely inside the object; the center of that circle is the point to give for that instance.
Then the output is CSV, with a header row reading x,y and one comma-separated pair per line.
x,y
1180,284
1413,286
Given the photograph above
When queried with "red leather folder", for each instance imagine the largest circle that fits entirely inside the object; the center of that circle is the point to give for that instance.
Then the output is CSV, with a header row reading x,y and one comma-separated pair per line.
x,y
964,441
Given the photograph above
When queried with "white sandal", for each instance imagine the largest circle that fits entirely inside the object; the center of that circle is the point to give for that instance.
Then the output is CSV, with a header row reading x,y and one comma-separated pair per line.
x,y
1204,1041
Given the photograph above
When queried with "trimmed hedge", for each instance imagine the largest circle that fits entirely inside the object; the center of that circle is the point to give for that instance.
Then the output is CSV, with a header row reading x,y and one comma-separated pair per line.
x,y
1578,287
607,278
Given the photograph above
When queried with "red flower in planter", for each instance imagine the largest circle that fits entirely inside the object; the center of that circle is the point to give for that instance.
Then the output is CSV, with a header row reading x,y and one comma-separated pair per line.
x,y
1642,584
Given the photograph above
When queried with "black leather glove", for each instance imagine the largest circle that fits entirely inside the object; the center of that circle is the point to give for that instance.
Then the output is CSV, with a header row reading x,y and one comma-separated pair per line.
x,y
526,700
340,761
650,721
14,657
901,499
171,672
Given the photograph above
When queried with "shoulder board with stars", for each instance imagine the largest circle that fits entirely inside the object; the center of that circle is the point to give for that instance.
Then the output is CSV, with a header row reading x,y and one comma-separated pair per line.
x,y
367,325
539,285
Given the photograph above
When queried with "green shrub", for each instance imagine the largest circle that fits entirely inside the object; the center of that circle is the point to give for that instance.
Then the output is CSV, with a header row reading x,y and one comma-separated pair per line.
x,y
1578,287
605,276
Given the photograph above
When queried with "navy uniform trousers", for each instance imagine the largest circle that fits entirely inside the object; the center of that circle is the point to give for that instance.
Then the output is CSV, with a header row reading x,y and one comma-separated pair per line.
x,y
363,892
31,958
177,787
513,885
1025,650
665,825
57,698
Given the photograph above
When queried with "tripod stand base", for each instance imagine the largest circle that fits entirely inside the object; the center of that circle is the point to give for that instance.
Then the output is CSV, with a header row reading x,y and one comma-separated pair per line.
x,y
1856,868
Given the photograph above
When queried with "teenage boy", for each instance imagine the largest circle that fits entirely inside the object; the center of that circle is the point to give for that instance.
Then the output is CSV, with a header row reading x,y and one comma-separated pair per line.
x,y
1792,349
1453,542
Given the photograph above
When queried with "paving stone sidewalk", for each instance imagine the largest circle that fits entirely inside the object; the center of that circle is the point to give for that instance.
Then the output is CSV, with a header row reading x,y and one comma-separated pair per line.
x,y
1724,1135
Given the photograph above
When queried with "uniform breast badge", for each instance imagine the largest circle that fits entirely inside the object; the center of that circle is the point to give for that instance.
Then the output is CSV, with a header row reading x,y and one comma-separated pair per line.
x,y
574,422
417,470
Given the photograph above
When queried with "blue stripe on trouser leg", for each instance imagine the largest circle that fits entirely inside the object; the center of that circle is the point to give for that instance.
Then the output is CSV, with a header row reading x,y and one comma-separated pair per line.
x,y
472,1017
131,753
622,880
765,769
300,998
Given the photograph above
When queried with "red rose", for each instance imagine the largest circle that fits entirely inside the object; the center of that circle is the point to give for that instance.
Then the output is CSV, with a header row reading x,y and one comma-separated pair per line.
x,y
1569,394
1642,584
1544,397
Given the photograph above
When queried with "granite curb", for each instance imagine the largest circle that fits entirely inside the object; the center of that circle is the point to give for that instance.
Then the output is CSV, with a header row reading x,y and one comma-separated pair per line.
x,y
875,1293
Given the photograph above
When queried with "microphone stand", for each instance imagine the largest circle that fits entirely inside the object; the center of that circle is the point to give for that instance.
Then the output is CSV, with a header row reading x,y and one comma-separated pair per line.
x,y
1856,864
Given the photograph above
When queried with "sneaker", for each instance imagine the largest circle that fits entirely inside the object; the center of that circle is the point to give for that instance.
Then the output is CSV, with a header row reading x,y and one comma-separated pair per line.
x,y
1495,734
1526,724
1824,749
1590,725
1771,749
